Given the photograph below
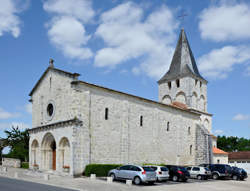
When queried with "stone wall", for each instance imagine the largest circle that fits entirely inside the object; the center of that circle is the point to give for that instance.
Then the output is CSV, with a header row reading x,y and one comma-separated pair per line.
x,y
121,139
10,162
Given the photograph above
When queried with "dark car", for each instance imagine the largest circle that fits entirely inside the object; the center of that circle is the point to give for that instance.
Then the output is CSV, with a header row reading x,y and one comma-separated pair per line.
x,y
219,170
238,173
178,173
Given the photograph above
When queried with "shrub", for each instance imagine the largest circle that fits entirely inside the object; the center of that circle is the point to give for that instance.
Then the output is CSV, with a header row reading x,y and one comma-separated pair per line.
x,y
24,165
151,164
99,169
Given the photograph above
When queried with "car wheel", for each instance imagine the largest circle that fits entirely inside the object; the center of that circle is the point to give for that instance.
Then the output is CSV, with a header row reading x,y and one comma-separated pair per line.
x,y
215,176
113,176
175,178
235,177
137,180
199,177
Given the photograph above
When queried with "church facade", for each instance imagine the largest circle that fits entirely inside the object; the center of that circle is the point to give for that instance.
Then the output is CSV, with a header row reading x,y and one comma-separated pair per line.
x,y
75,123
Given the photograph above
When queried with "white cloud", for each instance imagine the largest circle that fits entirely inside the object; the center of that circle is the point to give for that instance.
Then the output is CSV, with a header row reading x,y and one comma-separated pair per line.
x,y
219,62
66,29
28,108
218,132
20,125
248,71
9,20
225,21
129,35
6,115
241,117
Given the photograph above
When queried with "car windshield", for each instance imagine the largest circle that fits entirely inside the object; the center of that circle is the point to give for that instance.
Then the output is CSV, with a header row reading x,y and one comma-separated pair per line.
x,y
206,169
148,169
164,169
182,168
228,167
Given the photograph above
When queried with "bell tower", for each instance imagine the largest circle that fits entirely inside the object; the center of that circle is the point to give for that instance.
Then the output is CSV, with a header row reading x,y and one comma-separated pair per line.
x,y
183,82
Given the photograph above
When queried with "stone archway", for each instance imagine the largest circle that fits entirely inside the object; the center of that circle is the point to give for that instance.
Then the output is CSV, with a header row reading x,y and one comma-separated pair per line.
x,y
64,154
48,152
34,152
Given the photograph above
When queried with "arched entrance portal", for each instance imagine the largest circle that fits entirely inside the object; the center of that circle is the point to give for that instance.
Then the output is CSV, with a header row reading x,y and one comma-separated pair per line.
x,y
49,152
34,152
64,153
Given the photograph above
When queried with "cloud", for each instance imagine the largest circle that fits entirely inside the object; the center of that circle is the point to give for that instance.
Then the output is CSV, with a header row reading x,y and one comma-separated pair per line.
x,y
9,20
128,35
247,72
225,21
28,108
66,29
241,117
218,132
219,62
20,125
6,115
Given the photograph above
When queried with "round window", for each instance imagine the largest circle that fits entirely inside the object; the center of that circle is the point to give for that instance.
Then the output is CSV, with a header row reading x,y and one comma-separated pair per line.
x,y
50,109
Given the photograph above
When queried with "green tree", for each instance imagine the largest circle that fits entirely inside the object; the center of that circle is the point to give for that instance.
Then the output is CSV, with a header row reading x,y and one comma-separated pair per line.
x,y
18,141
232,144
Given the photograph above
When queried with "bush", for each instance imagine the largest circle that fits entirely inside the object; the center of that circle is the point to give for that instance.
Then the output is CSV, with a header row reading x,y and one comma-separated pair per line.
x,y
25,165
99,169
150,164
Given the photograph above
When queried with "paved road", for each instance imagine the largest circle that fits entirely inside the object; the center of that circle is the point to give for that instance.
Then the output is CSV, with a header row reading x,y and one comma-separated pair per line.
x,y
7,184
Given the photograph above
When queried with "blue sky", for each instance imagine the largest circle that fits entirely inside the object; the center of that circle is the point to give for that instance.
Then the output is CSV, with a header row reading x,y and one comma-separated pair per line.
x,y
126,46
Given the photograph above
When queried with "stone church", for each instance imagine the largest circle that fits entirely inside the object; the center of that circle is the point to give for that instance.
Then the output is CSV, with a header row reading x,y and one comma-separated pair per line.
x,y
75,123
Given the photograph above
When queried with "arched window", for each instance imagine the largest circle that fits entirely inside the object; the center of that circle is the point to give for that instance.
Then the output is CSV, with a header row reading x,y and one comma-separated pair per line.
x,y
190,149
141,120
189,130
168,126
106,113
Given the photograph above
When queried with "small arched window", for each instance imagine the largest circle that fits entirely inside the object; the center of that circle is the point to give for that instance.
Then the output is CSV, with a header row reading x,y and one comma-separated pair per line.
x,y
190,149
189,130
178,83
141,120
168,126
106,113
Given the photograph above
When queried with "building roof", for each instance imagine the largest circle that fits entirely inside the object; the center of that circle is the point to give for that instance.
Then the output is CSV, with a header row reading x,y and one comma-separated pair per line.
x,y
73,75
239,155
179,105
183,62
219,151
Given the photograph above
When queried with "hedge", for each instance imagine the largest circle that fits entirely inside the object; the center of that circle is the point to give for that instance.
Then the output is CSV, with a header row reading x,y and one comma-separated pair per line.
x,y
25,165
99,169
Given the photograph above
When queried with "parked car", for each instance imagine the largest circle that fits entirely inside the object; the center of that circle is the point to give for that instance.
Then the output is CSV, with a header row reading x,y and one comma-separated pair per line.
x,y
177,173
135,173
238,173
162,173
219,170
199,172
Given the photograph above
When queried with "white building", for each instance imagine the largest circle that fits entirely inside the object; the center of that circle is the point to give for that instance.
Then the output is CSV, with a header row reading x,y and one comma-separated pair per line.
x,y
76,123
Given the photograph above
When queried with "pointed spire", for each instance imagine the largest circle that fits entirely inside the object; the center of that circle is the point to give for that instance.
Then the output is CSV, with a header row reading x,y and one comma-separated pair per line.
x,y
183,62
51,63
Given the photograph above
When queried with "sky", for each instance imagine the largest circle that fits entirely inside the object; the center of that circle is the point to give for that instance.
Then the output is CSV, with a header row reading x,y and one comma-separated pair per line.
x,y
126,46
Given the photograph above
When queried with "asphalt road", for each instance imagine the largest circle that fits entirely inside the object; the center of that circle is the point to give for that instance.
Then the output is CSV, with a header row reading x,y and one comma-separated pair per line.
x,y
7,184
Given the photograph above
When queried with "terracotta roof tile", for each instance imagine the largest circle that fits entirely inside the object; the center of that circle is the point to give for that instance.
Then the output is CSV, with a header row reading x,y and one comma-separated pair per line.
x,y
239,155
179,105
219,151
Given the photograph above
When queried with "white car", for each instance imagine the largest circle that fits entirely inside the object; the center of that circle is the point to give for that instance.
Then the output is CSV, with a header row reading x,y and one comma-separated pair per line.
x,y
162,173
199,172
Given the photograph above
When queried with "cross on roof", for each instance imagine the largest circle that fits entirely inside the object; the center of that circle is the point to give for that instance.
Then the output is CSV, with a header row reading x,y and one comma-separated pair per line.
x,y
182,16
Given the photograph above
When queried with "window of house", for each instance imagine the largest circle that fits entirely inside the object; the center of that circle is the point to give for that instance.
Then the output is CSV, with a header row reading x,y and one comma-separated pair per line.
x,y
189,130
169,85
178,83
106,113
50,80
141,121
218,161
200,83
168,126
190,149
196,82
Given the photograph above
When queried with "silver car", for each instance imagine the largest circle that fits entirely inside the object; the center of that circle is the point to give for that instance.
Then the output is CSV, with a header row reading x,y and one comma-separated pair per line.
x,y
138,174
162,173
199,172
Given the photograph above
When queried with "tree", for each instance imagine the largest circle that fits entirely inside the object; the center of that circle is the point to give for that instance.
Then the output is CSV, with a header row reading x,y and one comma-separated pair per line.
x,y
18,141
232,144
